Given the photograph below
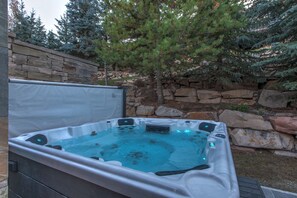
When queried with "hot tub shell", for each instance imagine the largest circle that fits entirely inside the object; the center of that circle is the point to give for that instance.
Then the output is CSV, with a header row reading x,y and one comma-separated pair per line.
x,y
47,171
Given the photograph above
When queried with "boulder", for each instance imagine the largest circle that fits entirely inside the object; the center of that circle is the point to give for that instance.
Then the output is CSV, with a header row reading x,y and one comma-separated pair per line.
x,y
261,139
207,115
241,93
237,119
145,110
285,124
273,99
206,94
168,112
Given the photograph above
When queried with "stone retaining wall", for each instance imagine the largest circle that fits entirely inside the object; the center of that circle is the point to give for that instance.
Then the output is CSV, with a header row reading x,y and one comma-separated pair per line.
x,y
277,133
27,61
254,129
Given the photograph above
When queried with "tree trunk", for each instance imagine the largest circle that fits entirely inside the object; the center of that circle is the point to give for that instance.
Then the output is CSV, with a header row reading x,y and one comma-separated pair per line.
x,y
159,86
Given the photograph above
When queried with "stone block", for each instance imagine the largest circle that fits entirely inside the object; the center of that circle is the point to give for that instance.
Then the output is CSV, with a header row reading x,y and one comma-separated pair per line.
x,y
130,111
130,92
210,101
84,73
37,69
238,119
261,139
18,74
39,62
273,99
241,93
25,50
207,94
186,99
19,59
285,153
38,76
168,112
185,92
168,95
56,78
285,124
204,115
145,110
55,57
69,69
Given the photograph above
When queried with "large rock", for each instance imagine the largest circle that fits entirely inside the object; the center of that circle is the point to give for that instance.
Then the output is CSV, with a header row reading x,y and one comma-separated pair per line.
x,y
207,115
241,93
285,124
168,112
273,99
261,139
238,119
145,110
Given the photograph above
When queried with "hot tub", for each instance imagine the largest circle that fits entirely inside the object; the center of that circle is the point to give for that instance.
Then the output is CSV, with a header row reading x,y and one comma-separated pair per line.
x,y
132,157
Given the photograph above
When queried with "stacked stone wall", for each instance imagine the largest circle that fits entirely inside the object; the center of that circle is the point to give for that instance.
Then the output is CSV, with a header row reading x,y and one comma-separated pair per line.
x,y
27,61
257,119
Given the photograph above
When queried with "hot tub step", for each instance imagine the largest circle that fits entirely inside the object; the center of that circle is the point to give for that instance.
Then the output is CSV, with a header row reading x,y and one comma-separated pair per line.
x,y
249,188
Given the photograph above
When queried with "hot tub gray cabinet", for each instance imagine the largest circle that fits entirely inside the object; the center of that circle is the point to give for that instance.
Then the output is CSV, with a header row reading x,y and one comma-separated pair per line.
x,y
41,171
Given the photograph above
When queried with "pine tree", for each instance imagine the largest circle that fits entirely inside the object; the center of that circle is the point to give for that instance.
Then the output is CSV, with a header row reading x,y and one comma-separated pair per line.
x,y
26,27
81,25
20,20
37,32
154,36
64,34
273,24
52,41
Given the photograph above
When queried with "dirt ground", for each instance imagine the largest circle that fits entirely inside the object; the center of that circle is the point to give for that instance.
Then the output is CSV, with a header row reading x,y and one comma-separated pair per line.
x,y
269,169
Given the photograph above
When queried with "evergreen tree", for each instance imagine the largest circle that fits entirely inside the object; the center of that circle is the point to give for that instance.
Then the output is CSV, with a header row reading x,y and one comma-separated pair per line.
x,y
80,27
52,41
26,27
274,27
20,20
64,35
37,33
156,36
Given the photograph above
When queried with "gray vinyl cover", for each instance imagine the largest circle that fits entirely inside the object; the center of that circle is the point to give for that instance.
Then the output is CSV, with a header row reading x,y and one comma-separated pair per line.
x,y
36,105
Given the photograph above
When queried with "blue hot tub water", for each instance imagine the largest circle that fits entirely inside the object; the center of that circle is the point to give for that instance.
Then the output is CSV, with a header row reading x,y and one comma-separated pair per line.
x,y
145,151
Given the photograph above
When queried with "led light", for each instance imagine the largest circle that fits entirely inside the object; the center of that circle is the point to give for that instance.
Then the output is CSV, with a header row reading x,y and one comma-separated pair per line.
x,y
178,131
204,158
187,131
212,145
